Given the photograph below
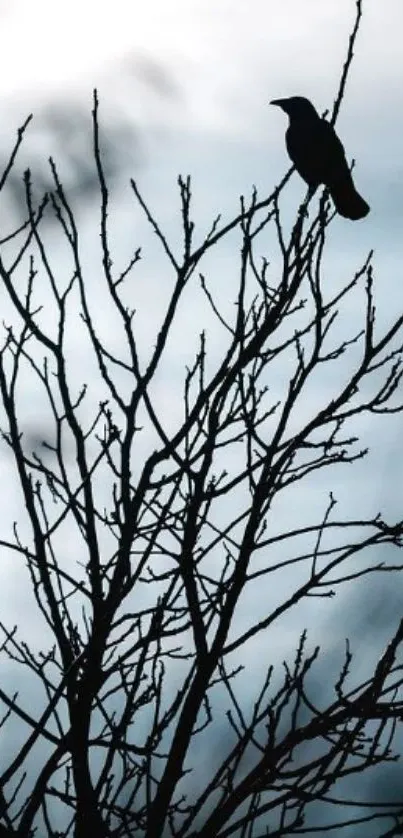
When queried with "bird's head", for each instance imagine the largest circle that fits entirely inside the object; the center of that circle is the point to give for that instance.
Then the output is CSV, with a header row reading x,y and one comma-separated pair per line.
x,y
297,107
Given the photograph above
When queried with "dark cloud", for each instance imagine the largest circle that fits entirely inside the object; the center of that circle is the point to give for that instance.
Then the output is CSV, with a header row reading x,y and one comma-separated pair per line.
x,y
155,75
64,131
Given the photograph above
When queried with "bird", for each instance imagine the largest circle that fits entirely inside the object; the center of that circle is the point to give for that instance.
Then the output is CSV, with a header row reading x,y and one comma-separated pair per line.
x,y
318,155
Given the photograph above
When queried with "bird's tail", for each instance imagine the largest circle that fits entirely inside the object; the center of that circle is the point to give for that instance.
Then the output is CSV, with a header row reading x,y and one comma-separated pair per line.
x,y
347,200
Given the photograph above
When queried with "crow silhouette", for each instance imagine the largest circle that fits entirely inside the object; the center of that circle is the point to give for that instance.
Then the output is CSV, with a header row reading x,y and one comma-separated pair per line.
x,y
318,155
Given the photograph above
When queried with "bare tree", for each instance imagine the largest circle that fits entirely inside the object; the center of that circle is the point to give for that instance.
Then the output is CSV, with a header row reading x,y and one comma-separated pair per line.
x,y
144,728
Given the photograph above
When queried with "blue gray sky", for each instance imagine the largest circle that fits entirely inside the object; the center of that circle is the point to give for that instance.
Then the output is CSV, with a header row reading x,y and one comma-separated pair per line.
x,y
184,87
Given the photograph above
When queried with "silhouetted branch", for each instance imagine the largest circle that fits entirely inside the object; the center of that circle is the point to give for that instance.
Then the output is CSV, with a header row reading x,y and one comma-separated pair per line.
x,y
151,537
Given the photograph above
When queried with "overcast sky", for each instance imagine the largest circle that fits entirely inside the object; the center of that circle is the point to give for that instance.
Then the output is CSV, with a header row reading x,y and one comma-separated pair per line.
x,y
193,80
184,87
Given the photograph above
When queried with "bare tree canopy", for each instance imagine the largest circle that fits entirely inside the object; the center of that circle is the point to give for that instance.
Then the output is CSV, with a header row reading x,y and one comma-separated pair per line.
x,y
163,546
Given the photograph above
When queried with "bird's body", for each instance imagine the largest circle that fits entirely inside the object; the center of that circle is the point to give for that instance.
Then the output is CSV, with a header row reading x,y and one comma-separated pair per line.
x,y
318,156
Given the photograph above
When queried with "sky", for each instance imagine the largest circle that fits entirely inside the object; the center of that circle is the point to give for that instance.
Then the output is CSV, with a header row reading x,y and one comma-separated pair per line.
x,y
192,82
184,87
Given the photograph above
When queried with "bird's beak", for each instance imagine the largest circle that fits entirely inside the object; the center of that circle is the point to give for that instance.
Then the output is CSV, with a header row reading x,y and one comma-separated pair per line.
x,y
279,102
